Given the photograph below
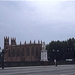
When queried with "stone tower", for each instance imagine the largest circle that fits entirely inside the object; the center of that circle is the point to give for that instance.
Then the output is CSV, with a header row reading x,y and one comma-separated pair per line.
x,y
13,41
6,42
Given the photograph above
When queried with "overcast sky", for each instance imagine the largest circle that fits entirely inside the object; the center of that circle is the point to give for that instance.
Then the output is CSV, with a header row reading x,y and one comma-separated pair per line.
x,y
37,20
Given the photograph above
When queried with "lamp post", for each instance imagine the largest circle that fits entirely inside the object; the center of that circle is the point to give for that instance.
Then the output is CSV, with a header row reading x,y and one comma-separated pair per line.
x,y
2,59
55,56
2,55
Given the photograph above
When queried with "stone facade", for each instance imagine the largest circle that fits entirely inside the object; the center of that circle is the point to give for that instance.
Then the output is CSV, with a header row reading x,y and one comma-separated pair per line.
x,y
22,52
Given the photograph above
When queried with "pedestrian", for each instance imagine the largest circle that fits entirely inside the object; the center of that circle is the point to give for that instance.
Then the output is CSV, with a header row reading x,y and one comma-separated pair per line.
x,y
55,62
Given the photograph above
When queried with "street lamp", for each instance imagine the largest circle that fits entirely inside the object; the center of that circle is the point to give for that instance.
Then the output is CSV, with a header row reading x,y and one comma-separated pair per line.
x,y
55,52
2,55
55,59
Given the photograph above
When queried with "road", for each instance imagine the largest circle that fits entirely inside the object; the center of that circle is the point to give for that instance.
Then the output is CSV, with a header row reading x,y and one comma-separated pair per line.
x,y
39,70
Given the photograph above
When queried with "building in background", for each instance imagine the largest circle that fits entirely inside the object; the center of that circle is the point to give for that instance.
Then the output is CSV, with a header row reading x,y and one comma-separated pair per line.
x,y
22,52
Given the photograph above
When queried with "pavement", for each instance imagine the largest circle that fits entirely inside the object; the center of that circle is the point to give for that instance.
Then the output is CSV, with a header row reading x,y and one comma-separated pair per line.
x,y
39,70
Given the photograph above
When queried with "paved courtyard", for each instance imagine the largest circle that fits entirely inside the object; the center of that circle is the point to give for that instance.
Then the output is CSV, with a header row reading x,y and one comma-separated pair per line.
x,y
39,70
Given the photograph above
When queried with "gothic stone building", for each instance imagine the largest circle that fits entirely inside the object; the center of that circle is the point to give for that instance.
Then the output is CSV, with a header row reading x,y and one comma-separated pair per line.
x,y
22,52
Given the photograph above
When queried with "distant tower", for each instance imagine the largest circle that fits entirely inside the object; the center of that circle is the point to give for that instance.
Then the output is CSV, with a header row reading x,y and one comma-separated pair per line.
x,y
6,42
34,41
13,41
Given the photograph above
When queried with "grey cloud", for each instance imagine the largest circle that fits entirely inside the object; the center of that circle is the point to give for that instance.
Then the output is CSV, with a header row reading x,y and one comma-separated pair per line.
x,y
37,20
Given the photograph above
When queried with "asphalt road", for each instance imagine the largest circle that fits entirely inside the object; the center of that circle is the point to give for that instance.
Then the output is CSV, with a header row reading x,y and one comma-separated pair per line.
x,y
39,70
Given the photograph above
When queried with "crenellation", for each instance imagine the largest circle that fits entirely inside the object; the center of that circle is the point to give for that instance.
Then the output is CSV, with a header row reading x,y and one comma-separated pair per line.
x,y
41,41
20,42
25,42
34,41
38,42
30,42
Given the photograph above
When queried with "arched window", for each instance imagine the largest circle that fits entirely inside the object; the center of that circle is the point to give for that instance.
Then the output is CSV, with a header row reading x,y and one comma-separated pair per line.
x,y
9,53
18,52
32,51
22,54
13,53
36,51
28,52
